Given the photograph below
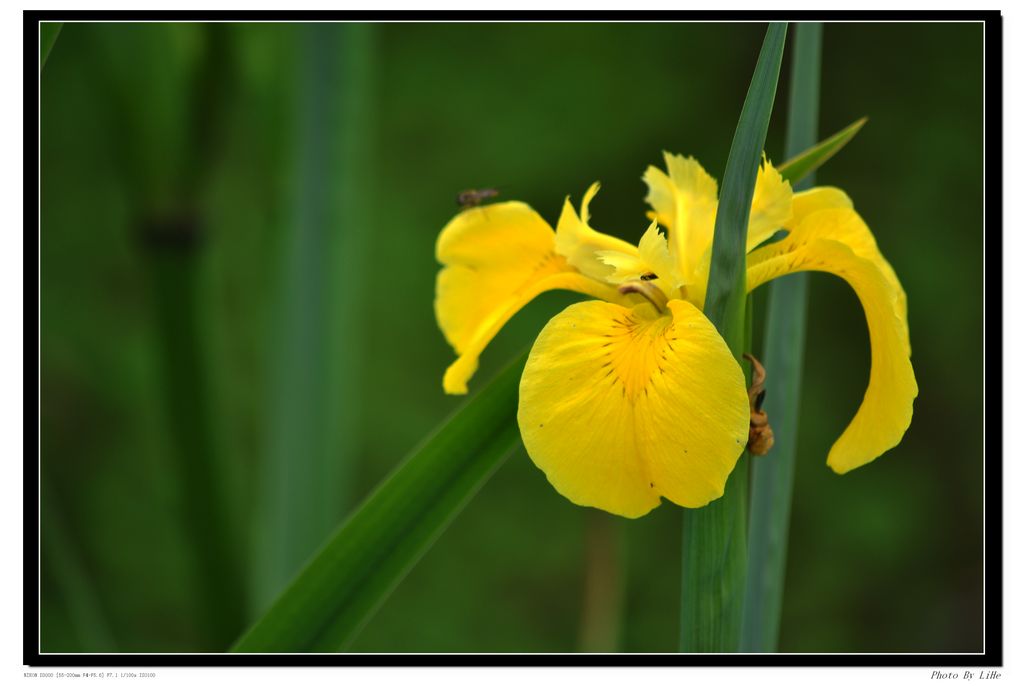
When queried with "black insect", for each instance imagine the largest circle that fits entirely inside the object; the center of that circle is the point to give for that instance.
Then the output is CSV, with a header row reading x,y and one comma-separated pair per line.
x,y
649,276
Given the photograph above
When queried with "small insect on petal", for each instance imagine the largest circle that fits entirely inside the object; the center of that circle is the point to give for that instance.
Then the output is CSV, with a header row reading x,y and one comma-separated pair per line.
x,y
473,197
761,439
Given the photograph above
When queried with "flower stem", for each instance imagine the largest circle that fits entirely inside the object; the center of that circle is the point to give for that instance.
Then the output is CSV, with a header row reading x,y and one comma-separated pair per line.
x,y
603,586
714,537
209,523
772,476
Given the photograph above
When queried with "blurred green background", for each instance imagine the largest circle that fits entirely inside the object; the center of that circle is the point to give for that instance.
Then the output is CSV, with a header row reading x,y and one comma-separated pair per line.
x,y
238,339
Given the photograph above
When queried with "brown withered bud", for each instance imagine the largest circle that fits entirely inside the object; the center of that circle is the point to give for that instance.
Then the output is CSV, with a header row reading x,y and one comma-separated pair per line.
x,y
760,439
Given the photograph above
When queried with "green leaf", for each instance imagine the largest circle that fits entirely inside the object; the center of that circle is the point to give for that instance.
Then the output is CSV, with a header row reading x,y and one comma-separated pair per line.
x,y
48,32
359,566
315,397
772,475
799,165
714,537
726,291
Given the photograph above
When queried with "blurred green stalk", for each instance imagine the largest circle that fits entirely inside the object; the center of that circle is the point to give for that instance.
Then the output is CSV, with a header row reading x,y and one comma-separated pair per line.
x,y
714,536
170,102
313,419
207,520
48,32
772,475
604,583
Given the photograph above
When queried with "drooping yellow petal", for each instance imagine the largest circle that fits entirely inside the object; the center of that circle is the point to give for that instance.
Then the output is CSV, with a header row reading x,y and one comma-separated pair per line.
x,y
580,244
838,242
621,406
839,222
685,201
497,258
815,199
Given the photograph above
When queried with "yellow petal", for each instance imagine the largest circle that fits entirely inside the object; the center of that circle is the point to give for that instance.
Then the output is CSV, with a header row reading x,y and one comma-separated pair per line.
x,y
652,263
804,203
814,199
771,207
654,250
489,252
580,244
497,258
684,200
838,242
839,222
620,408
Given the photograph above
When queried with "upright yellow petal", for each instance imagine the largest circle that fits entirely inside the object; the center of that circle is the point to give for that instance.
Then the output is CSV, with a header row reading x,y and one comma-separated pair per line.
x,y
620,407
771,207
497,258
685,201
652,263
580,244
838,242
803,204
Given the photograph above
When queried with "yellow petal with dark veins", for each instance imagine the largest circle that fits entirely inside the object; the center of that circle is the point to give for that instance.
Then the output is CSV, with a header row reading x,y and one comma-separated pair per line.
x,y
620,407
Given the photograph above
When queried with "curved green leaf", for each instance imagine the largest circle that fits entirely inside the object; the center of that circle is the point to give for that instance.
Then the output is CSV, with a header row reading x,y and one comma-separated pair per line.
x,y
350,576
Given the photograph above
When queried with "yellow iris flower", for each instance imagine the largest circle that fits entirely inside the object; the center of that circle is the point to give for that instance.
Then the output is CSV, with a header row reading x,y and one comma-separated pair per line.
x,y
635,396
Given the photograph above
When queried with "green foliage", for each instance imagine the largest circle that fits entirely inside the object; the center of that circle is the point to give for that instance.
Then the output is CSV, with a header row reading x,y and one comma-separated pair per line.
x,y
726,283
785,332
312,432
799,165
442,123
714,536
352,574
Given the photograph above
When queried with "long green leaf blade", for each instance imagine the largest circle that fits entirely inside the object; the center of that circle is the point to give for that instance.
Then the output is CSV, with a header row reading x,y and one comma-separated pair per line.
x,y
799,165
48,32
714,537
352,574
726,291
314,399
785,328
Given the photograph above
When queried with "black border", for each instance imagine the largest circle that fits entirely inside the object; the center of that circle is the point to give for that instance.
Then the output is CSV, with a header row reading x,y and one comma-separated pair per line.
x,y
993,482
